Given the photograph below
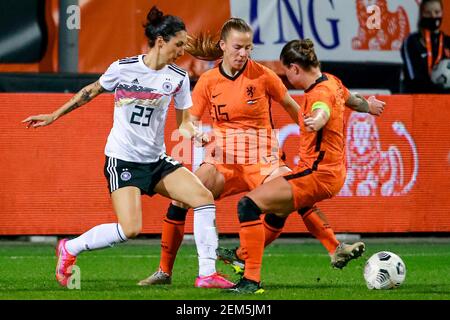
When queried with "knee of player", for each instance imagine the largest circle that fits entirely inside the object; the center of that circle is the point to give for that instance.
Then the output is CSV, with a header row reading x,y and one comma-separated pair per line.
x,y
275,220
177,211
132,231
248,210
203,197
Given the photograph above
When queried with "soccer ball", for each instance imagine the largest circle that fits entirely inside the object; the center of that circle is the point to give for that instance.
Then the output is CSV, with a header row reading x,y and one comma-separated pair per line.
x,y
384,270
441,74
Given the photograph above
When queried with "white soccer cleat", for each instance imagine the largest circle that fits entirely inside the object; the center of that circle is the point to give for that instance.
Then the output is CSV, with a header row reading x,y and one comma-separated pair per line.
x,y
346,252
159,277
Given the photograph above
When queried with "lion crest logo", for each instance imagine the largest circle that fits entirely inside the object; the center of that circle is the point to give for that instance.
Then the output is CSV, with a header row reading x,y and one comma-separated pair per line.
x,y
393,28
370,170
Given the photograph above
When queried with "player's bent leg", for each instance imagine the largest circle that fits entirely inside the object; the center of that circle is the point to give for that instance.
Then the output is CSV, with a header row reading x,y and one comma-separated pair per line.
x,y
251,235
211,178
340,253
171,239
173,226
317,224
182,185
273,196
127,205
273,224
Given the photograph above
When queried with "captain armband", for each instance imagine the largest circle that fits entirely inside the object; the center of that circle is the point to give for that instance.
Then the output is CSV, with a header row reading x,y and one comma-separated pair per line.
x,y
321,105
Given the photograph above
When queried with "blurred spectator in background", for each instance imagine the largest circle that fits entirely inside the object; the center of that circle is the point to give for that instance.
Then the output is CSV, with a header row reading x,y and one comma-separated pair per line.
x,y
423,49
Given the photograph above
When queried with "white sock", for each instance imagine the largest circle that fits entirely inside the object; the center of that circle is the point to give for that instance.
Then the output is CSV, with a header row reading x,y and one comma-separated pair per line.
x,y
101,236
206,238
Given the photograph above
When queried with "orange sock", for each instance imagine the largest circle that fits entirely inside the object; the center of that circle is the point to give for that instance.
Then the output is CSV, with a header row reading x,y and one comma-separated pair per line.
x,y
271,233
317,224
273,226
251,235
171,238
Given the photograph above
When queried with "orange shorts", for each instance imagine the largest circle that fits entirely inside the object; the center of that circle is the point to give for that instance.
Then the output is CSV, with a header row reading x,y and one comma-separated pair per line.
x,y
310,187
244,177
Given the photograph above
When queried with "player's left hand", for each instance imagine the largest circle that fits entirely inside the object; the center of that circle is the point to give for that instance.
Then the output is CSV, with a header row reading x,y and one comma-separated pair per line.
x,y
312,124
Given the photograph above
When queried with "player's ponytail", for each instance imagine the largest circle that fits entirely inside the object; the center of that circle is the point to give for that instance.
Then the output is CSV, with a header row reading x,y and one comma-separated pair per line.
x,y
165,26
206,47
300,52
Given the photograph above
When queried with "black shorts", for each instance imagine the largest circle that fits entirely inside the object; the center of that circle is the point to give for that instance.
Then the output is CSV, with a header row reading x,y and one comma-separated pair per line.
x,y
145,176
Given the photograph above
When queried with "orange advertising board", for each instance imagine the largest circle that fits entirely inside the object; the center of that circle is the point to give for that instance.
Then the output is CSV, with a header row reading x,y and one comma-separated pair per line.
x,y
398,169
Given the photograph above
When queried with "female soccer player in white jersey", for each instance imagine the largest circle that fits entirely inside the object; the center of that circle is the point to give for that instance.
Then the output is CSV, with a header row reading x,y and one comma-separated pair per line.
x,y
136,162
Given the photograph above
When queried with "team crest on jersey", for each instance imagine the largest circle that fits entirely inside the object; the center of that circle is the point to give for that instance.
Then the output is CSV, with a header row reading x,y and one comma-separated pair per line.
x,y
125,175
167,86
251,91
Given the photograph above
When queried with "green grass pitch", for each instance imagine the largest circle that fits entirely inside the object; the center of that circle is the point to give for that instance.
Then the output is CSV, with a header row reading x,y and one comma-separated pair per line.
x,y
291,271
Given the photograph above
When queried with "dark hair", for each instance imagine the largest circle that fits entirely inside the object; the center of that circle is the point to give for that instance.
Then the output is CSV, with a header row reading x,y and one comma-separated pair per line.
x,y
422,7
206,46
300,52
162,25
424,2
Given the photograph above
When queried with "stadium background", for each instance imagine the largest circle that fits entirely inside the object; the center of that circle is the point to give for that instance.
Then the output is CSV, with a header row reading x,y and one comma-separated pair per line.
x,y
51,180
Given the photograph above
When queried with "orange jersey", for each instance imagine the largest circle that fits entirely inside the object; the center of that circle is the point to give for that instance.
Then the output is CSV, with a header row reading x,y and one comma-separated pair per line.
x,y
239,103
324,150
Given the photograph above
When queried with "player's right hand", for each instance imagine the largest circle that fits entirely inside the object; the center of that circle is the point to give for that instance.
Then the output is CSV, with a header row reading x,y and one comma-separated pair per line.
x,y
376,107
201,138
40,120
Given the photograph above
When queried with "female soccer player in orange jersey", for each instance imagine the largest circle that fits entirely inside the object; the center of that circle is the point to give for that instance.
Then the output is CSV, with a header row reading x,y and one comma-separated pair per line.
x,y
237,94
321,171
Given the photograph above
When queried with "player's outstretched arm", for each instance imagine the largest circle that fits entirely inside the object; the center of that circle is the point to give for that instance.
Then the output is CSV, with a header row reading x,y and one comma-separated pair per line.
x,y
82,97
360,104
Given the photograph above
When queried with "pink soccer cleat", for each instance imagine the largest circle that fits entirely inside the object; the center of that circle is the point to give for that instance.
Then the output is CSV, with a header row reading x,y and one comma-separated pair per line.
x,y
64,264
213,281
